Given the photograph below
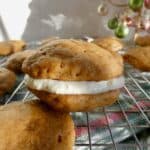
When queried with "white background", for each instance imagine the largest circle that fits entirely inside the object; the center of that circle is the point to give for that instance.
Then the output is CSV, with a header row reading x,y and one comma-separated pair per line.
x,y
37,19
14,14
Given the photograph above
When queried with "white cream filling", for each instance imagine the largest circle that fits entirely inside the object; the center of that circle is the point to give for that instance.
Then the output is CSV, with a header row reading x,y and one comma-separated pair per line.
x,y
74,87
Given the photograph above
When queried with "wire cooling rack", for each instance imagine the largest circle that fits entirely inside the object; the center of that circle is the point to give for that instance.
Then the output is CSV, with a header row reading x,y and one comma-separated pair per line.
x,y
123,126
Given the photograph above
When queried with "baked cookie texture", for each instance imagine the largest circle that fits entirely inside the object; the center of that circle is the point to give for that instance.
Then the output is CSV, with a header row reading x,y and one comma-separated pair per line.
x,y
72,60
11,46
73,103
7,80
5,48
14,62
142,40
109,43
139,57
33,126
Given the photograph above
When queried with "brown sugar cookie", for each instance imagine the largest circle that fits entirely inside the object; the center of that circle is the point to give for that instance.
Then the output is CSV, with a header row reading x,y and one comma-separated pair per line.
x,y
139,57
14,62
142,40
33,126
11,46
73,75
109,43
5,48
7,80
17,45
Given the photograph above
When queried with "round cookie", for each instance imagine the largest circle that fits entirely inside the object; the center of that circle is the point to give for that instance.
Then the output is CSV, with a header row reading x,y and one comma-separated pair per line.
x,y
17,45
7,80
109,43
76,62
33,126
5,48
142,40
139,57
12,46
14,62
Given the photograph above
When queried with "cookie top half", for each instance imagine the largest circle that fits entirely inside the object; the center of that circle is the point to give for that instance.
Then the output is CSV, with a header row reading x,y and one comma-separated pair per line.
x,y
73,60
14,62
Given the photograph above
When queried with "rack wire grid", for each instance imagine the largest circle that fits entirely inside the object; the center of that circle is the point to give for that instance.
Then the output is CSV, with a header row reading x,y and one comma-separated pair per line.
x,y
123,126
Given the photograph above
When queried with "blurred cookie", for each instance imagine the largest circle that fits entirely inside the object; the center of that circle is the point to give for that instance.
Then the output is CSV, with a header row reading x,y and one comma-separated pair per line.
x,y
73,75
5,48
33,126
12,46
142,40
109,43
139,57
14,62
7,80
17,45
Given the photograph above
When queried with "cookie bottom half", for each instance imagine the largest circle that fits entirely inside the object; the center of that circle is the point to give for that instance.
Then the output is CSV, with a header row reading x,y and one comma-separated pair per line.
x,y
77,103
